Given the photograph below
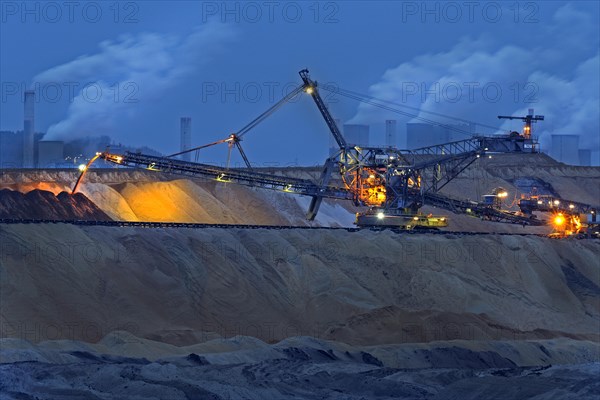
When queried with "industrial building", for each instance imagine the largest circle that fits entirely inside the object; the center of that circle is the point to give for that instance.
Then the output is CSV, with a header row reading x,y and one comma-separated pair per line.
x,y
28,149
585,157
28,129
50,154
186,137
422,134
11,149
356,134
565,148
391,137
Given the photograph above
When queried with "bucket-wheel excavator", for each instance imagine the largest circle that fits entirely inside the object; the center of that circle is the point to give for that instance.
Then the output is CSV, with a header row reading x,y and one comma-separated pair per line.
x,y
393,184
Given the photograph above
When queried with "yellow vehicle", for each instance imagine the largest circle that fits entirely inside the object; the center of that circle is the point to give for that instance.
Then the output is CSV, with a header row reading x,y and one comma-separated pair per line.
x,y
385,218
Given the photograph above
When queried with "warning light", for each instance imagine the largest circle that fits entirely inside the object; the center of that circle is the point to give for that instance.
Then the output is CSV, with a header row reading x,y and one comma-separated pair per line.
x,y
559,220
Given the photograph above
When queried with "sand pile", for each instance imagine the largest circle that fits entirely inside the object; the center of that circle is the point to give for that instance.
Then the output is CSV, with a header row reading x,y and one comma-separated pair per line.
x,y
134,195
180,285
42,204
506,170
110,312
299,367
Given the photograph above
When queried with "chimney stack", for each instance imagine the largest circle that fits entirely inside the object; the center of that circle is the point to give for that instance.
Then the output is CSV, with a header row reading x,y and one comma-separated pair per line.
x,y
186,138
28,128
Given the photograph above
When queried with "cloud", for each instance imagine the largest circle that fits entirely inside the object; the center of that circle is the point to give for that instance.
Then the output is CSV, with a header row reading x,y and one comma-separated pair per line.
x,y
111,82
570,106
555,71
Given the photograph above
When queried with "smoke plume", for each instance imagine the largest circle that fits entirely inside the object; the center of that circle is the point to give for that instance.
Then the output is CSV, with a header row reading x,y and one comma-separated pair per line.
x,y
555,72
113,83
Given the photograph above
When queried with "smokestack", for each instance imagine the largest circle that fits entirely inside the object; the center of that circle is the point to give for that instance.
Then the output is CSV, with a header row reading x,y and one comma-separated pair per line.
x,y
28,128
390,133
186,137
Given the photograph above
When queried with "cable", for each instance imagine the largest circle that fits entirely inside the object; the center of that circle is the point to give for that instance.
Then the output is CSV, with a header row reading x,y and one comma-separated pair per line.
x,y
420,110
377,103
270,111
249,126
198,148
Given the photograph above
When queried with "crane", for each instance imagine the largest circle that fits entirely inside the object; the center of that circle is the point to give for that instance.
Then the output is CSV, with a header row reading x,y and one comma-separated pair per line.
x,y
393,184
528,119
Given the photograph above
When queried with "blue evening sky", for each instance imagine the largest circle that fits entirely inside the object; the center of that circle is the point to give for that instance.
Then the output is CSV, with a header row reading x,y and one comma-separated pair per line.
x,y
130,70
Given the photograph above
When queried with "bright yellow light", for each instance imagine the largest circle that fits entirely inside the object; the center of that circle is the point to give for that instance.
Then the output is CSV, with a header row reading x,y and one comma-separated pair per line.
x,y
540,202
416,218
310,90
559,220
82,167
380,215
221,178
571,206
556,202
371,176
502,194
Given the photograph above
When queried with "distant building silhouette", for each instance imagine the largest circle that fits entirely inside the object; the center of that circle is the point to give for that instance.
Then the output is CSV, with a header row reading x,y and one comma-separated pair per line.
x,y
391,137
356,134
565,148
186,138
423,135
51,154
28,129
11,149
585,157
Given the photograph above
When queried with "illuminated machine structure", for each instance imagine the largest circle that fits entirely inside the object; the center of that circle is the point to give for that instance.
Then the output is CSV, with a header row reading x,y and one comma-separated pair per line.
x,y
528,119
566,217
393,184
